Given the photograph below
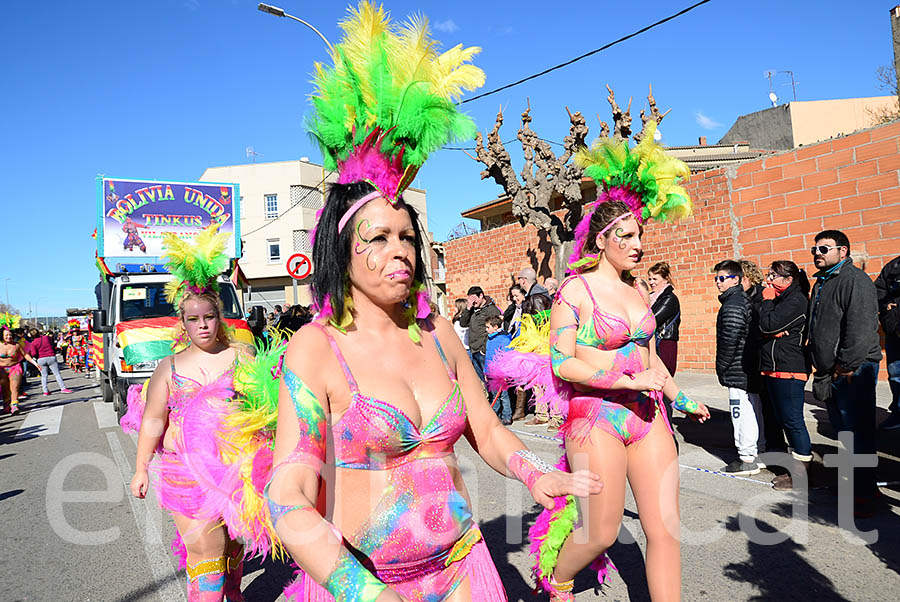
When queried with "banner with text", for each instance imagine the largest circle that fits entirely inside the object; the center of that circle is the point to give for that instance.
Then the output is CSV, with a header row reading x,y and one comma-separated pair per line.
x,y
134,215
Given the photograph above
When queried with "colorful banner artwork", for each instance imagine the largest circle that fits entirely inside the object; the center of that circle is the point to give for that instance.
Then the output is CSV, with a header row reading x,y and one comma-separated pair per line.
x,y
151,339
134,214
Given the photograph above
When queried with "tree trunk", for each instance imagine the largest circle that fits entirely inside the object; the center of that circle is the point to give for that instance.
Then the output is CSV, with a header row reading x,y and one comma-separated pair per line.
x,y
561,254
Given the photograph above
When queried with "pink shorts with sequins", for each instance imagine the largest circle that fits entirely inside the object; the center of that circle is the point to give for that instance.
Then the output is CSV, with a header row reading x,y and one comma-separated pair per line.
x,y
626,415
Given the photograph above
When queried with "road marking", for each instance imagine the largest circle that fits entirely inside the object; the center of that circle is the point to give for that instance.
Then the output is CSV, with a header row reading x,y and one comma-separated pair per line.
x,y
106,415
39,423
170,584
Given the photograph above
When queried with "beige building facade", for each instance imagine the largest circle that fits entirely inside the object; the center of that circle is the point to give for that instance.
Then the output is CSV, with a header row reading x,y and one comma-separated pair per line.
x,y
279,201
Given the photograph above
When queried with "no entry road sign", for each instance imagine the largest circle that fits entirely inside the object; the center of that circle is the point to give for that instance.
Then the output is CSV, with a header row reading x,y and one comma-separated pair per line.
x,y
299,266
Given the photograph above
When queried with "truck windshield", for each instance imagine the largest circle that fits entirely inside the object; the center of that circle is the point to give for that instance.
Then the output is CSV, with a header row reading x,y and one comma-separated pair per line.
x,y
140,301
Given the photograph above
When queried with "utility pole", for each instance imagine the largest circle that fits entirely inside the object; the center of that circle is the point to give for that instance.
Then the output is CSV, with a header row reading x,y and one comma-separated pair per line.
x,y
895,29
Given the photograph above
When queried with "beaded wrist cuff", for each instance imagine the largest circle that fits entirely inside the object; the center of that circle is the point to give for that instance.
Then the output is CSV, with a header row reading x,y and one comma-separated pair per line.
x,y
528,467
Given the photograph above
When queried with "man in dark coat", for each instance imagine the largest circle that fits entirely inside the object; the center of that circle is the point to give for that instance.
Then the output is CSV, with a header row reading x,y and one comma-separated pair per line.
x,y
845,351
479,307
537,298
732,330
888,286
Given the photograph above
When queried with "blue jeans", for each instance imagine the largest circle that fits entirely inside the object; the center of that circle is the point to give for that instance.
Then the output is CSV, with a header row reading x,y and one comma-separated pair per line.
x,y
502,406
852,408
787,399
478,363
892,351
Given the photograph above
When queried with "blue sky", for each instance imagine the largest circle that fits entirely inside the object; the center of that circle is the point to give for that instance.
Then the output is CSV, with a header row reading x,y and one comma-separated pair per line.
x,y
163,89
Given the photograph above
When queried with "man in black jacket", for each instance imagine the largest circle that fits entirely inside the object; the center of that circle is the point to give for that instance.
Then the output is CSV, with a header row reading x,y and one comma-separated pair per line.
x,y
845,350
537,298
732,330
888,286
479,307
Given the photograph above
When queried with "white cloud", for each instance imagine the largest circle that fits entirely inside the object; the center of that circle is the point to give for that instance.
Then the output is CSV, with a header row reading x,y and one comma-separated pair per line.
x,y
448,26
707,123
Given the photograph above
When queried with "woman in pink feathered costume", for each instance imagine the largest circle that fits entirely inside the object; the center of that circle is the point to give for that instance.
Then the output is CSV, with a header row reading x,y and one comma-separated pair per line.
x,y
183,425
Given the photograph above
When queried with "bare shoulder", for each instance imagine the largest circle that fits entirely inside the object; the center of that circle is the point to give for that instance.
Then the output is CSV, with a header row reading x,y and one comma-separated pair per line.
x,y
308,346
163,370
165,365
571,289
442,326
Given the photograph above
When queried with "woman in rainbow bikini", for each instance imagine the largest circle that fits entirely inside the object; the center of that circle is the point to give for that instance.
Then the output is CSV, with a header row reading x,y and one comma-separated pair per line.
x,y
183,422
602,349
366,492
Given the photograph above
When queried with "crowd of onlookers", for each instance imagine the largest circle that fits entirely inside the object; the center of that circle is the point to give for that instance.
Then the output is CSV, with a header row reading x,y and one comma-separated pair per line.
x,y
28,352
287,319
774,330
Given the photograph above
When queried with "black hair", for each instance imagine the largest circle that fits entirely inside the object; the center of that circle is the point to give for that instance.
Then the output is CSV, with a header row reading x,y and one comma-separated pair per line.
x,y
475,290
331,249
789,269
731,266
839,238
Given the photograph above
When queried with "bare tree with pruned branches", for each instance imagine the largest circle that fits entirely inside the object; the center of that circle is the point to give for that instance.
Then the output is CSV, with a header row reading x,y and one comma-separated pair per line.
x,y
545,175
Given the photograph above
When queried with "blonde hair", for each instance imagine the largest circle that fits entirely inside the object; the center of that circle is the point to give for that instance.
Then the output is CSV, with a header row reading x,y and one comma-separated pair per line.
x,y
179,334
751,271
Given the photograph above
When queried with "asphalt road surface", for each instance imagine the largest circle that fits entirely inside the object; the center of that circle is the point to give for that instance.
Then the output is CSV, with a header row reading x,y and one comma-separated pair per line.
x,y
70,531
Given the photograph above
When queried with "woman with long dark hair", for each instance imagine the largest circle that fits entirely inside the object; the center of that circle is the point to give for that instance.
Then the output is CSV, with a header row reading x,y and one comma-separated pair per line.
x,y
667,311
784,365
512,315
366,491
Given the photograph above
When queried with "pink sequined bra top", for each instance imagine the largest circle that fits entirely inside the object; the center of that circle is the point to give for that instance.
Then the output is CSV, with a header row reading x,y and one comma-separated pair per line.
x,y
608,331
377,435
186,388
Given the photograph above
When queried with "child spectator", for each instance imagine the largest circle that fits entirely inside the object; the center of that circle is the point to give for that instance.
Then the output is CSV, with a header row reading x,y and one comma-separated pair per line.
x,y
498,340
732,330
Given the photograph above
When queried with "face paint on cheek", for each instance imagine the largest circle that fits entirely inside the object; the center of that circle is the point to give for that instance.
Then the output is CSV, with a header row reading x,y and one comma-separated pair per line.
x,y
366,246
618,238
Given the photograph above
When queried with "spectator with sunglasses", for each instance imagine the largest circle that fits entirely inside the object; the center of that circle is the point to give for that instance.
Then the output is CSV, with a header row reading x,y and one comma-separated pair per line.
x,y
732,331
845,351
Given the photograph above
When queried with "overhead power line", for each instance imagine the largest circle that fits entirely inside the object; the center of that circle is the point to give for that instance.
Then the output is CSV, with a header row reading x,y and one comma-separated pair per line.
x,y
591,53
286,211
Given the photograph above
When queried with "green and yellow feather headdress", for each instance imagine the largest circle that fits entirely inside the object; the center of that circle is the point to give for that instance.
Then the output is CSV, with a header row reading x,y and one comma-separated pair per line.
x,y
195,264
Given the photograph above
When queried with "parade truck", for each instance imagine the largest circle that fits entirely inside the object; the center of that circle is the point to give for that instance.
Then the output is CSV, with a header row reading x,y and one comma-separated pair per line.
x,y
133,316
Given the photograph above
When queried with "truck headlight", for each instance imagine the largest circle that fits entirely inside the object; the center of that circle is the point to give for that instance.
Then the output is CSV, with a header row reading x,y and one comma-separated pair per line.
x,y
145,366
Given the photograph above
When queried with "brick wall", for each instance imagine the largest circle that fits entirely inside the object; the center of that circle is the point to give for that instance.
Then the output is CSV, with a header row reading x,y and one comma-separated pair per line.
x,y
763,210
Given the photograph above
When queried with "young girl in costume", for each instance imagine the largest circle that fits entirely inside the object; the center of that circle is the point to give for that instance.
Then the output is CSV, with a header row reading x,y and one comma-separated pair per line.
x,y
366,494
184,424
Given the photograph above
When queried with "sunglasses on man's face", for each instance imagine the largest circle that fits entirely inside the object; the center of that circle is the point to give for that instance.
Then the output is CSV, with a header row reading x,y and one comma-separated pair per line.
x,y
723,278
822,249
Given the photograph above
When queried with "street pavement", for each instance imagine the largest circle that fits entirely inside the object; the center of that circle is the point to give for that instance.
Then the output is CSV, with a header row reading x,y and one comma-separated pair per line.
x,y
71,531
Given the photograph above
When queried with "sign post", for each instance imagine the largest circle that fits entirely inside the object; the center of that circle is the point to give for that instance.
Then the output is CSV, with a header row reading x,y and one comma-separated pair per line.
x,y
299,267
